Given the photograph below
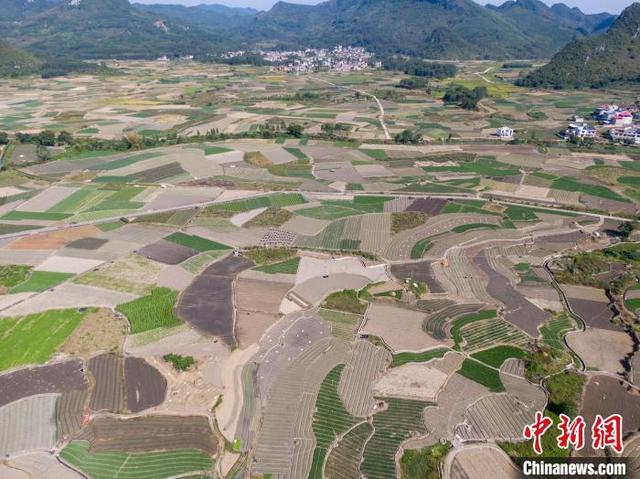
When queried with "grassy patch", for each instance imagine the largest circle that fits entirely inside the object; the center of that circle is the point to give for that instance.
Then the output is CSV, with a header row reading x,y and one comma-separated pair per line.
x,y
267,256
420,248
406,220
346,301
256,158
214,150
278,200
196,242
13,274
481,374
565,390
155,310
343,325
550,447
423,463
473,226
34,338
498,355
519,213
380,155
404,358
271,217
40,281
568,183
289,266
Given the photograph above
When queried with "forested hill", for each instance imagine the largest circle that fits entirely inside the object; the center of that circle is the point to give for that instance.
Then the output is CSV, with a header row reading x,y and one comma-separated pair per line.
x,y
443,29
596,61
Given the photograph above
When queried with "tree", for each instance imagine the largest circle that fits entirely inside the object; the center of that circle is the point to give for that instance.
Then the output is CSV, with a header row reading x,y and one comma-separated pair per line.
x,y
4,138
296,130
625,229
47,138
134,140
65,138
43,153
408,137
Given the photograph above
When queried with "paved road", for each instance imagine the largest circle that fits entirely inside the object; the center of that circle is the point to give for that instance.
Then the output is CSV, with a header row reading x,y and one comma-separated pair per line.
x,y
385,129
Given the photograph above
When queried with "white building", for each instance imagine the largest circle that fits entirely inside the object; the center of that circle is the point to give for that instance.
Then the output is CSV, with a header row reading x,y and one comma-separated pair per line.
x,y
630,134
504,133
580,130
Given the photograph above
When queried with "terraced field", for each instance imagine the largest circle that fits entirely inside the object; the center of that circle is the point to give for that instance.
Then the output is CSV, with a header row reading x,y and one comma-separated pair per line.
x,y
343,462
401,420
160,465
484,334
330,420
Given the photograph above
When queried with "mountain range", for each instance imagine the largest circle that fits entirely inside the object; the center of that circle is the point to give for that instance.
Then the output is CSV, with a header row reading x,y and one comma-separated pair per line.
x,y
441,29
596,61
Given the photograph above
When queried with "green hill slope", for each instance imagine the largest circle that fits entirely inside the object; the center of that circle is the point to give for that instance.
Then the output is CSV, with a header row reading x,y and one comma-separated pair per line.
x,y
15,62
595,61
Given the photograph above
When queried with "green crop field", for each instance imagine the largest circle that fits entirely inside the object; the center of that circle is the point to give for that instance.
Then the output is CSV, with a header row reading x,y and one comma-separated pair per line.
x,y
420,248
498,355
404,358
278,200
196,242
328,212
34,338
344,460
490,332
289,266
153,311
329,420
401,420
32,215
458,324
112,464
343,325
568,183
474,226
481,374
39,281
122,162
554,330
214,150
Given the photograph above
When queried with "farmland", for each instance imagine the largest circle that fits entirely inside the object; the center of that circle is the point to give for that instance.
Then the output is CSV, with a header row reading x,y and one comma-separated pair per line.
x,y
214,296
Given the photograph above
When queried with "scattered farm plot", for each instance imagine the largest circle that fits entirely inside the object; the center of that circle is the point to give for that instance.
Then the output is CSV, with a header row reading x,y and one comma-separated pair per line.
x,y
343,461
418,380
175,277
311,267
421,271
304,226
53,240
108,393
589,346
53,378
592,305
438,324
485,333
606,395
101,331
28,425
167,252
207,303
38,465
495,417
132,274
33,339
366,363
401,420
400,328
160,465
70,409
146,387
294,392
481,462
149,433
531,395
314,290
46,199
68,296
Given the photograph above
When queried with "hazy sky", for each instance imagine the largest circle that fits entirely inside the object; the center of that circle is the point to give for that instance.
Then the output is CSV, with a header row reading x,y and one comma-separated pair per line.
x,y
588,6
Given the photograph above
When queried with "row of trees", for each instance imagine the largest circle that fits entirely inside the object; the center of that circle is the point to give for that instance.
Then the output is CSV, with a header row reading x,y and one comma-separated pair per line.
x,y
420,68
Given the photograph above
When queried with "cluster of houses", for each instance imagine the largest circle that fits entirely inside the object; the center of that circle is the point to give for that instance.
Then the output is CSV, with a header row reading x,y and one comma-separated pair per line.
x,y
618,121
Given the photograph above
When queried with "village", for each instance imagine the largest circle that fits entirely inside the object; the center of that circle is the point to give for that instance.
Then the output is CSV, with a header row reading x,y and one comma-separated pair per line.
x,y
617,123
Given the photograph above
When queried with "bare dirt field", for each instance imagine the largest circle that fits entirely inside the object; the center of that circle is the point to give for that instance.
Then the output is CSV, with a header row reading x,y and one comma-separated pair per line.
x,y
53,378
146,387
400,328
53,240
606,395
100,332
150,433
481,462
167,252
251,325
207,303
589,345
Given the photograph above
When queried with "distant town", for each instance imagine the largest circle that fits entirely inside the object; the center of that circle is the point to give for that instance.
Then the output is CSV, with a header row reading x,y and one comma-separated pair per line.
x,y
618,123
339,59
